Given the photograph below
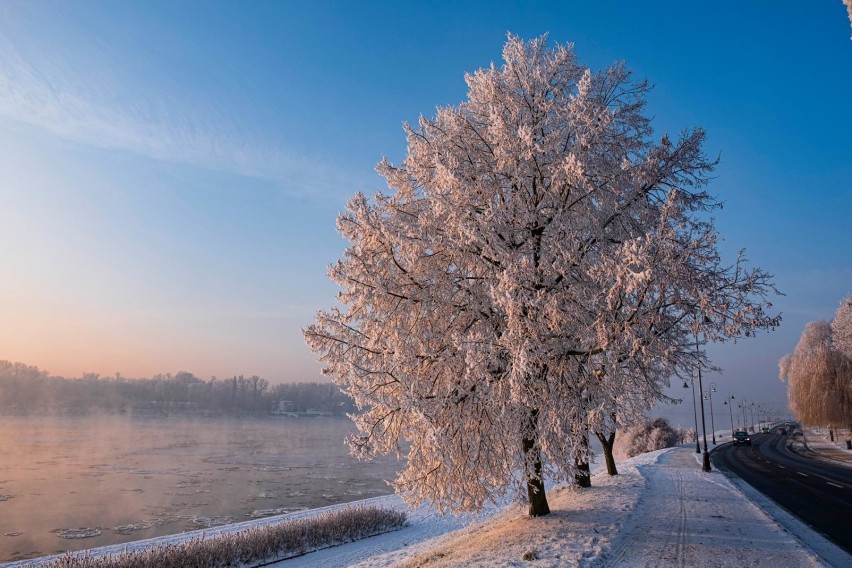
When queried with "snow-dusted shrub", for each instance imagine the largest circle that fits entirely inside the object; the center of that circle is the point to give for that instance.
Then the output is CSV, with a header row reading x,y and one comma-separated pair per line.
x,y
686,435
251,547
646,437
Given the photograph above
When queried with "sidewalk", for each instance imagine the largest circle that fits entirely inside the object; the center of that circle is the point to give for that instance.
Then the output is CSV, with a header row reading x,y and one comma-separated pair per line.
x,y
819,442
692,518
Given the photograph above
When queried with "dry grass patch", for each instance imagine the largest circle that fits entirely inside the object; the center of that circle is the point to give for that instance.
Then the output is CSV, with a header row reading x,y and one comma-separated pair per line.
x,y
251,547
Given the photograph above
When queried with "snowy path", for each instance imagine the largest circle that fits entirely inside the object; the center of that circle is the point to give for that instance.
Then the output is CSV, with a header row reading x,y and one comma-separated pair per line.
x,y
691,518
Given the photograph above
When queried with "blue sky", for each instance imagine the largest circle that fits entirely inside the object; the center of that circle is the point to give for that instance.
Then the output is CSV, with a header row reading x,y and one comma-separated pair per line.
x,y
172,170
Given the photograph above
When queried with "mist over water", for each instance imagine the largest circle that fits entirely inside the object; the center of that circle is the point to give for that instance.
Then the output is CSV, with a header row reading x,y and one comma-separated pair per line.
x,y
69,483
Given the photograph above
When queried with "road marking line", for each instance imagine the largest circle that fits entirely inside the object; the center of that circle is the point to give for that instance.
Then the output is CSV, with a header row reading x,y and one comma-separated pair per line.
x,y
800,473
830,483
781,466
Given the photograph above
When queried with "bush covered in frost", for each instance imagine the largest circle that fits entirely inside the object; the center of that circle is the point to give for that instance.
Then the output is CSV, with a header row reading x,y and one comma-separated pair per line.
x,y
251,547
649,436
687,435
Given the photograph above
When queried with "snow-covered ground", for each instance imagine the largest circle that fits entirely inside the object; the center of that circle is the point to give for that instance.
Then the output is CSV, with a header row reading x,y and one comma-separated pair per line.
x,y
661,510
818,441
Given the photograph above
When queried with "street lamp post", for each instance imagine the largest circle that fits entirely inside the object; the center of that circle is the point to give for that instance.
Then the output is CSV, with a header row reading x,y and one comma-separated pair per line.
x,y
730,397
694,414
753,431
705,462
712,419
743,407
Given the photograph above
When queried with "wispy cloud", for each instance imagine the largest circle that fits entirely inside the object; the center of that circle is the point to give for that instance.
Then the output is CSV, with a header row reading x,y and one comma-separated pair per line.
x,y
47,92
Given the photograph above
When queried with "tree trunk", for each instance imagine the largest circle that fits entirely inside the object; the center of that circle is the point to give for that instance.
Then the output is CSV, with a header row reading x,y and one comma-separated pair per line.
x,y
607,442
536,495
535,483
583,477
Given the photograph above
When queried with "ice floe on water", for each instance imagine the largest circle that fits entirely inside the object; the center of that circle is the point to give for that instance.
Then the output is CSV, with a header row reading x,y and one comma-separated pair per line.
x,y
260,513
271,468
82,532
133,527
214,521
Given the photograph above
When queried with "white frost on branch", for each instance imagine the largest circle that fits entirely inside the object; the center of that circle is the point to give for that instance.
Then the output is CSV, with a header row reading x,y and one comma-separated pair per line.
x,y
841,326
539,268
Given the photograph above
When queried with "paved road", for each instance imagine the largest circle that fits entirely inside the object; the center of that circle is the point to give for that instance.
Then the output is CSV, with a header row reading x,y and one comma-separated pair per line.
x,y
817,491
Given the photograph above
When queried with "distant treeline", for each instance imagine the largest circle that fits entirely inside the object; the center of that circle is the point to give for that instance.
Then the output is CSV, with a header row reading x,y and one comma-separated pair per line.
x,y
25,389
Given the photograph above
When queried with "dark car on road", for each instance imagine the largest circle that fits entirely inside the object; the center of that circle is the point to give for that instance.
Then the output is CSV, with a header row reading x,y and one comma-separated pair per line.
x,y
741,438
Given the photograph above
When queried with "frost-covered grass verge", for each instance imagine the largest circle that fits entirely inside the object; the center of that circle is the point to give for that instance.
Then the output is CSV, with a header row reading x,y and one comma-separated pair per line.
x,y
254,546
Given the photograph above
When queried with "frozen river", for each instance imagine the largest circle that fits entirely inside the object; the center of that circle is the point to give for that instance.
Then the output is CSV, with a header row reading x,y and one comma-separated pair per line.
x,y
68,483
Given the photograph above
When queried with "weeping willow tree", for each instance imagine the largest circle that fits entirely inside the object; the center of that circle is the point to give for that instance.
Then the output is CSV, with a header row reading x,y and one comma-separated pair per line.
x,y
819,372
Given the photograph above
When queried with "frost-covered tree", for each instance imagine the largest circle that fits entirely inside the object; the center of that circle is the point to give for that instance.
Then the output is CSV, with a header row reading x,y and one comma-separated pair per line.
x,y
605,434
622,412
841,326
819,377
538,264
647,436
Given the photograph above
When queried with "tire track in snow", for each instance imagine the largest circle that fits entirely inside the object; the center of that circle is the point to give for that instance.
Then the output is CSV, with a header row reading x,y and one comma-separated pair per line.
x,y
680,533
657,532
